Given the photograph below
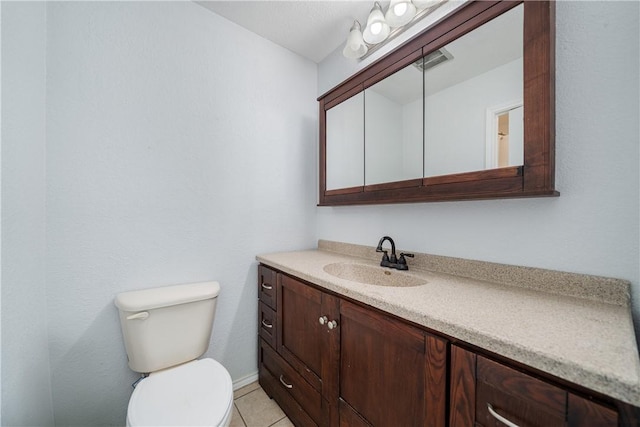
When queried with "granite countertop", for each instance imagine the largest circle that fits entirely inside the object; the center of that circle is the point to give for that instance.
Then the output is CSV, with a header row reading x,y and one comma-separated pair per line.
x,y
576,327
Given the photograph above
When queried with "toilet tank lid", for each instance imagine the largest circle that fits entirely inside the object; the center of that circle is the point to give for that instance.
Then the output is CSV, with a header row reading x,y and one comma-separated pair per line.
x,y
148,299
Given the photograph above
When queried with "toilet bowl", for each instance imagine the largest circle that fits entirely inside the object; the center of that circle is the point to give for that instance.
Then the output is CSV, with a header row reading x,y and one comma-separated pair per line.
x,y
165,331
197,393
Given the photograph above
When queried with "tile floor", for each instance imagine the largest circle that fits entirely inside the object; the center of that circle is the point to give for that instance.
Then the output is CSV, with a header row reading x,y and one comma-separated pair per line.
x,y
253,408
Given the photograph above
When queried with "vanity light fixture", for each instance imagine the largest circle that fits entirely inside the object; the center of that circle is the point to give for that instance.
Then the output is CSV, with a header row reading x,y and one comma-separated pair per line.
x,y
400,13
377,29
355,47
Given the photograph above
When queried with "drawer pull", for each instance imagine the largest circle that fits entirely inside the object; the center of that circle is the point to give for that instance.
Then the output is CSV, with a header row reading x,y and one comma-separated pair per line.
x,y
495,415
266,325
285,384
266,287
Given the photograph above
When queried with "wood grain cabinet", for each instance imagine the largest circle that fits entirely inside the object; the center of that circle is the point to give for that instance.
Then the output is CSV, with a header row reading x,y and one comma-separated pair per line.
x,y
329,361
391,373
485,393
336,363
297,367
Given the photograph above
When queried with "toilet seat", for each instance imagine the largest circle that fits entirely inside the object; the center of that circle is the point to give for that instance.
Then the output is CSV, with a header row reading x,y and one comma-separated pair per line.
x,y
197,393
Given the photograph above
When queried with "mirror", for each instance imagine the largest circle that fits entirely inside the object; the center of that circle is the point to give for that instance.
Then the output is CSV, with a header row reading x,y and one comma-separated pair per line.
x,y
393,127
345,143
476,122
468,84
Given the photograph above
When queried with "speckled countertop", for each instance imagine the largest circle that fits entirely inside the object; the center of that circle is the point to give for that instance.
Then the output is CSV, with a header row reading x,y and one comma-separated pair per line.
x,y
576,327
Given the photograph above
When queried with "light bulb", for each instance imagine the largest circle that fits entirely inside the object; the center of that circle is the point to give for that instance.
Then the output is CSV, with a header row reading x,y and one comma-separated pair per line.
x,y
400,13
377,29
400,9
355,46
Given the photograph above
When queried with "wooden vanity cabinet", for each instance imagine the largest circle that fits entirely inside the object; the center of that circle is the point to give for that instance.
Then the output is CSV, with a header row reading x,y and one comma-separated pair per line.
x,y
485,393
336,363
329,361
391,373
298,365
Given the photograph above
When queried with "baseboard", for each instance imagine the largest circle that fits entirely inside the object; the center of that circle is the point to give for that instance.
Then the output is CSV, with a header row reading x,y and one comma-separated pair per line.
x,y
246,380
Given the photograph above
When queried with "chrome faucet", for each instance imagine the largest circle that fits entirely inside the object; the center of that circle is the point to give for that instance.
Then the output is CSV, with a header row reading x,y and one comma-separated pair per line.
x,y
392,261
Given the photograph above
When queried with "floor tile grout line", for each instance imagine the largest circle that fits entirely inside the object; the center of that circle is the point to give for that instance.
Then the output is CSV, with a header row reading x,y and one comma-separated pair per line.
x,y
277,421
249,392
240,413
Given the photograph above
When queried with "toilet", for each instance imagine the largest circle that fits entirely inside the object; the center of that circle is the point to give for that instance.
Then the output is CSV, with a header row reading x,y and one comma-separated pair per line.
x,y
165,331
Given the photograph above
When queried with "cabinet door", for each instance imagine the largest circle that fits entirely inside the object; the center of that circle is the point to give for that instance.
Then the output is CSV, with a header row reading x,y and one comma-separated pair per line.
x,y
303,341
388,377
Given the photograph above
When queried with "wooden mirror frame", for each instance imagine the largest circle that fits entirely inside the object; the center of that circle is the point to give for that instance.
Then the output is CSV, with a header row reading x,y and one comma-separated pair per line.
x,y
534,179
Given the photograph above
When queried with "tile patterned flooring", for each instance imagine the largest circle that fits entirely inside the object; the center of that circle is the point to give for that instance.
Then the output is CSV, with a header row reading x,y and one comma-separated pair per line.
x,y
253,408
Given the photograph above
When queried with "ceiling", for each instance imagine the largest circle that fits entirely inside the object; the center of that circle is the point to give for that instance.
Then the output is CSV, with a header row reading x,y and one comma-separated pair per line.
x,y
309,28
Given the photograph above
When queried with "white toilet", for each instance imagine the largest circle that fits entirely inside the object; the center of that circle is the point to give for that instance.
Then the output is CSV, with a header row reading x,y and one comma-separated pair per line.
x,y
165,330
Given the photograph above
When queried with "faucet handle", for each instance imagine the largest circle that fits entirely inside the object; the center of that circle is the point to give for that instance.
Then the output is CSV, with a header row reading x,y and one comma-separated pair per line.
x,y
402,259
385,258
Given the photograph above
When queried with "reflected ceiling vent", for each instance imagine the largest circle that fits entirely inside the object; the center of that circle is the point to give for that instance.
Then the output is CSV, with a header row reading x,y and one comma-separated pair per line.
x,y
434,58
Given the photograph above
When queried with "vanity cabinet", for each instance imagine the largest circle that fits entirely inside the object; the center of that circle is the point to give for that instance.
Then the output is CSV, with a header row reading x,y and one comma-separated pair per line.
x,y
487,393
339,363
298,357
331,361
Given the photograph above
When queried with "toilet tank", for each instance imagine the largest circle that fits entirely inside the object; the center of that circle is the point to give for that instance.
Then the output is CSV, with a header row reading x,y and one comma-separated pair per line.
x,y
167,326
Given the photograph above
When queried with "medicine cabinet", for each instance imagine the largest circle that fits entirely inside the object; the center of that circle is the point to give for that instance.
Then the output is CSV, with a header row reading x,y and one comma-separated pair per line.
x,y
464,110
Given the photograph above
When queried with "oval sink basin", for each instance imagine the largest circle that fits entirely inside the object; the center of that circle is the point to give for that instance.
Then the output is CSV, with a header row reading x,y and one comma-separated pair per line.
x,y
373,275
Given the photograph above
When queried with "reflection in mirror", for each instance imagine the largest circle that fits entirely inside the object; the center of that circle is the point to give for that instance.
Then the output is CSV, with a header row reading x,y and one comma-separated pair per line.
x,y
504,137
345,144
466,93
393,127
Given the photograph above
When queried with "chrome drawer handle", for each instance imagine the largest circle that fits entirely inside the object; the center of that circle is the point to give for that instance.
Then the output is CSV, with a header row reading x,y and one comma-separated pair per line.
x,y
285,384
499,417
266,325
266,287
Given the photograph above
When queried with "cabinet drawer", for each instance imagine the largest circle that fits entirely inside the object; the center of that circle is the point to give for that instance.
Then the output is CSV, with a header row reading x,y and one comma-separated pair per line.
x,y
505,393
294,411
291,383
267,318
267,289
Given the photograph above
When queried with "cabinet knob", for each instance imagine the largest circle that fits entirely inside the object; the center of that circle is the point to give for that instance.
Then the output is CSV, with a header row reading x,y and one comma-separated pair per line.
x,y
332,324
323,320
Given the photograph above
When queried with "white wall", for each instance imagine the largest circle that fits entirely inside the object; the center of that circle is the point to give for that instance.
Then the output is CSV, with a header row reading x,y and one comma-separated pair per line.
x,y
593,227
412,140
26,383
179,147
